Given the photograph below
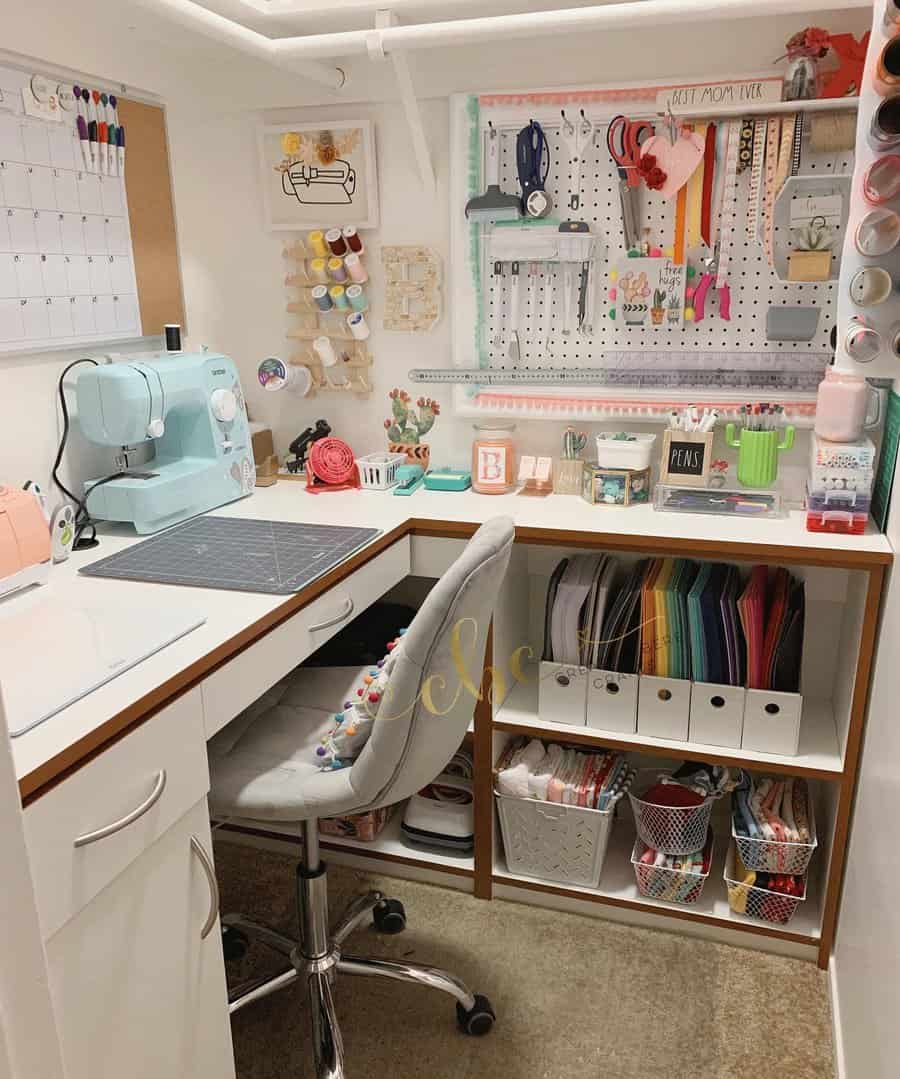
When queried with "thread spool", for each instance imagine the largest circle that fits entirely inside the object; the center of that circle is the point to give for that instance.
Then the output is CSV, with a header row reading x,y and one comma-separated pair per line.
x,y
324,349
316,241
336,242
357,298
275,375
357,325
317,271
321,298
173,337
336,269
339,297
353,239
356,269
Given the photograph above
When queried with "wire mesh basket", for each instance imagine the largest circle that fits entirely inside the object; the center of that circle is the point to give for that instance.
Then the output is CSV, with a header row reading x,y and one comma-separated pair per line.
x,y
670,829
671,885
756,902
378,471
771,856
562,843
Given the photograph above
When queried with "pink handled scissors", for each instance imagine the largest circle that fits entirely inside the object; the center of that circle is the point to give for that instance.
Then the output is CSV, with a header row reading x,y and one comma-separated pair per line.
x,y
708,278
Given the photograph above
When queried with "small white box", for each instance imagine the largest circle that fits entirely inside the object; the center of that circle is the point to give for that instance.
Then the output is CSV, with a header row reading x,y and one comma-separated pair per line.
x,y
772,722
612,701
717,714
664,707
562,693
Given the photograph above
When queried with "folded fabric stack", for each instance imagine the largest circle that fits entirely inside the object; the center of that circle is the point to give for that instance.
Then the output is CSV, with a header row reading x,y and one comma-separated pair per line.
x,y
772,809
567,776
759,895
676,878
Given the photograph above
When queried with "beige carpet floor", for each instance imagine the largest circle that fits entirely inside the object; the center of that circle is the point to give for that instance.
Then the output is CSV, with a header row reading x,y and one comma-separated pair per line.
x,y
576,997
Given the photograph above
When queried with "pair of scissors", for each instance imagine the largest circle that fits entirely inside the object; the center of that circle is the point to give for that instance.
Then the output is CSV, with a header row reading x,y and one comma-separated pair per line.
x,y
623,140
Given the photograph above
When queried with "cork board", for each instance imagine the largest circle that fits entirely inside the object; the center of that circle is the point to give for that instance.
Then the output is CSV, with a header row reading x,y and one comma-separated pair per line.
x,y
148,181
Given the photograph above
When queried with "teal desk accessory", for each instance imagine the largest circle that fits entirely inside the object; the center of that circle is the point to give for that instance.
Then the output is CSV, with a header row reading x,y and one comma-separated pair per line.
x,y
448,479
409,478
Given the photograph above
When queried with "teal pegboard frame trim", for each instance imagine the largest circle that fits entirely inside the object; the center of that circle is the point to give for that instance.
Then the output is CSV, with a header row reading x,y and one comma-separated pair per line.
x,y
474,188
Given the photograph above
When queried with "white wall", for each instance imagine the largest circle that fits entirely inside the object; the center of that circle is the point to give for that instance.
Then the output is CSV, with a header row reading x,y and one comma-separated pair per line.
x,y
233,270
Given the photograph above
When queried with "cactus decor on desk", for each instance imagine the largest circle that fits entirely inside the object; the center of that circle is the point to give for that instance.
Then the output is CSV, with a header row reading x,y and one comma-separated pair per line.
x,y
406,428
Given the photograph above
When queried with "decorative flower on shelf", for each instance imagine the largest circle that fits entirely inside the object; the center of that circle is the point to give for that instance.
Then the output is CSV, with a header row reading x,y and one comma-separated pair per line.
x,y
813,42
652,175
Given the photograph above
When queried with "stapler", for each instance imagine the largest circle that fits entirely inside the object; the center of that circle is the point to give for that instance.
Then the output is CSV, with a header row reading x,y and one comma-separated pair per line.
x,y
410,478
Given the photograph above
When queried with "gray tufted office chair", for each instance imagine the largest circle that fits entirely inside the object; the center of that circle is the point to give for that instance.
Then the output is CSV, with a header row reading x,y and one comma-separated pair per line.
x,y
263,768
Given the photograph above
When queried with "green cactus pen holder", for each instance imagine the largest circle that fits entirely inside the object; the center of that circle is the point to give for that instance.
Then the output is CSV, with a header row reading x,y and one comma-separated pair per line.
x,y
758,454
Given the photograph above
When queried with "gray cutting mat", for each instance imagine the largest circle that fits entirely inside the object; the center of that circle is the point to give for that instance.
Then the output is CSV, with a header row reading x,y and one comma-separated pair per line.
x,y
240,555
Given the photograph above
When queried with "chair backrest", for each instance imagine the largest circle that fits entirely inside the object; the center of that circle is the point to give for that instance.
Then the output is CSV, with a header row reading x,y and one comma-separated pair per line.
x,y
427,705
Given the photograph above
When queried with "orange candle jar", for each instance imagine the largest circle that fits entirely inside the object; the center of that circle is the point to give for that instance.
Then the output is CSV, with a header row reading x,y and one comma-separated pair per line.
x,y
493,458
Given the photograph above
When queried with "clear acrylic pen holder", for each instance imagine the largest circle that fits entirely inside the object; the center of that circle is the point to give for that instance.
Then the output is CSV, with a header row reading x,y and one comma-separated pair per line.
x,y
567,475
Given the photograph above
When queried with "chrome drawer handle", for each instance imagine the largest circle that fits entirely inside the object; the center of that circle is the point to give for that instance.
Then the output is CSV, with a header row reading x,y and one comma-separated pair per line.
x,y
117,825
205,860
334,621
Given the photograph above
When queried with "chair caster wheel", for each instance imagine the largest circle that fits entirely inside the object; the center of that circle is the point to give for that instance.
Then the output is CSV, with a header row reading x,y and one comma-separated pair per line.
x,y
389,916
235,944
479,1020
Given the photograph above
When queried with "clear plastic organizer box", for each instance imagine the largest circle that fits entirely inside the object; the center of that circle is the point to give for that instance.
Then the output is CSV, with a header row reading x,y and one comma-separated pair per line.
x,y
562,843
670,885
759,903
770,856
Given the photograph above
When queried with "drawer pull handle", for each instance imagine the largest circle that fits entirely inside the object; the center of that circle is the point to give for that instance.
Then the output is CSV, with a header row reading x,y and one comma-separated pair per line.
x,y
348,610
117,825
205,860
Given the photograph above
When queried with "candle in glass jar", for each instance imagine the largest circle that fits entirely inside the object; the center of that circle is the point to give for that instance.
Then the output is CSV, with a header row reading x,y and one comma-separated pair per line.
x,y
493,458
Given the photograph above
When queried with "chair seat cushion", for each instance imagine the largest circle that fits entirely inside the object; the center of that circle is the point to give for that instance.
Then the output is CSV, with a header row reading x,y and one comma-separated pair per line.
x,y
269,771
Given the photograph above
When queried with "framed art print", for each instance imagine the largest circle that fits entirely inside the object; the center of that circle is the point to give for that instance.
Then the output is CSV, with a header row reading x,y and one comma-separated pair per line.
x,y
319,175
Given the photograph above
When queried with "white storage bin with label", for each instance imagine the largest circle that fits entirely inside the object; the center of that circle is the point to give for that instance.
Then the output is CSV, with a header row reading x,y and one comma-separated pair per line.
x,y
717,714
612,701
562,693
772,722
664,707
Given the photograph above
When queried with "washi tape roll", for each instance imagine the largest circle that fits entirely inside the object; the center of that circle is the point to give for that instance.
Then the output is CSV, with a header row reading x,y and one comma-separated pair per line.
x,y
357,298
316,241
336,270
321,298
358,326
317,271
354,240
336,242
339,297
356,269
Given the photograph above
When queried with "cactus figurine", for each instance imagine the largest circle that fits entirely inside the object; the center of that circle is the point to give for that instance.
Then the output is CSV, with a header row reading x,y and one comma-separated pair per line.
x,y
406,428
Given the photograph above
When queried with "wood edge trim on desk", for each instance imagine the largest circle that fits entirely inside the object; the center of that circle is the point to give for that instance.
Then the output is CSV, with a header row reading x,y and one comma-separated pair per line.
x,y
342,848
483,810
809,556
856,730
38,782
651,908
688,753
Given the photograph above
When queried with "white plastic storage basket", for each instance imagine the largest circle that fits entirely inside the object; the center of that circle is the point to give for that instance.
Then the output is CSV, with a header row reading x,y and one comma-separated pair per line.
x,y
670,885
760,903
378,471
769,856
562,843
670,829
634,452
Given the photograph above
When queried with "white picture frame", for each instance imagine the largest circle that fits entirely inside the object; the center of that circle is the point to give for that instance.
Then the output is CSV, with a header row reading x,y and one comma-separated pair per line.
x,y
302,189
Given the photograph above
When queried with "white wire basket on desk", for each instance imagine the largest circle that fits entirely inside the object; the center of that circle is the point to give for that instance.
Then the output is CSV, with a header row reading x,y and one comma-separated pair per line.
x,y
378,471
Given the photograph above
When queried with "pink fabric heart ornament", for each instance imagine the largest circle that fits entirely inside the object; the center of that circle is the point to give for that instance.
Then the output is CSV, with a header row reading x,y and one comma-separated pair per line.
x,y
678,161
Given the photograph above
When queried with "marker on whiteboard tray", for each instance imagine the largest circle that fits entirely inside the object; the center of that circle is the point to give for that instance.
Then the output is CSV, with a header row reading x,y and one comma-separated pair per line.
x,y
83,140
92,144
103,146
120,148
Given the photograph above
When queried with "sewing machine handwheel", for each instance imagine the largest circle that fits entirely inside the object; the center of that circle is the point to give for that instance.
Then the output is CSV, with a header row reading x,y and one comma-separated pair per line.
x,y
479,1020
389,916
234,944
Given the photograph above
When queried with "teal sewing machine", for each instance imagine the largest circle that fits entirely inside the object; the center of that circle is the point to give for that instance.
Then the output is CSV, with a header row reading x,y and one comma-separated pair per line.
x,y
192,407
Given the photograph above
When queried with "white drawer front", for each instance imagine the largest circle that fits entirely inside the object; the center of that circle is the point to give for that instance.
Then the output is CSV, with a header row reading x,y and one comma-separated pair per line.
x,y
243,679
168,751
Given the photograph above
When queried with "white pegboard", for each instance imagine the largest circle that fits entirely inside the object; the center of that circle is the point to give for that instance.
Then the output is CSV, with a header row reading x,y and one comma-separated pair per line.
x,y
754,286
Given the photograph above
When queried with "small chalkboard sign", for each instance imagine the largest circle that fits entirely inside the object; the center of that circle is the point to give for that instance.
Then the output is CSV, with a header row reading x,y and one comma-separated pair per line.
x,y
686,457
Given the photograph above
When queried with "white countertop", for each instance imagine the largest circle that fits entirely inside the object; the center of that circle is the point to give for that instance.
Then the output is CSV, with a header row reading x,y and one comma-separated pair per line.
x,y
228,613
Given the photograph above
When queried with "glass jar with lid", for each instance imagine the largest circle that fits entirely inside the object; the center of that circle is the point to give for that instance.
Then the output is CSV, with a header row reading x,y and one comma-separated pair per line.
x,y
493,458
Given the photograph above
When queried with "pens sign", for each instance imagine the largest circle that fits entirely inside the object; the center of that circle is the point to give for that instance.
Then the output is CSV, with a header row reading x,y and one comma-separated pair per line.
x,y
714,95
686,458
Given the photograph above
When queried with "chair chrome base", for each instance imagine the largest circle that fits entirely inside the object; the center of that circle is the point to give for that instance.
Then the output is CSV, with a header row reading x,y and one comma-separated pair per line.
x,y
316,958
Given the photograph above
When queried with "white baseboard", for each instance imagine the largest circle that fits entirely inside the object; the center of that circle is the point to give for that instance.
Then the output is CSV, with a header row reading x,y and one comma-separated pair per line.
x,y
837,1038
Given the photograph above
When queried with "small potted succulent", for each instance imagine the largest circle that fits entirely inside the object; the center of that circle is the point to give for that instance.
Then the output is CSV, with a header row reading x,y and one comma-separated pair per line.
x,y
406,428
658,310
810,259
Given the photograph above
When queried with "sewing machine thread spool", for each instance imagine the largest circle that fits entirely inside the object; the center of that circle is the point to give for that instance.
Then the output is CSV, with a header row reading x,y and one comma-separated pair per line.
x,y
356,269
336,242
358,326
354,240
275,375
357,298
336,269
324,349
317,271
316,240
339,297
321,298
173,337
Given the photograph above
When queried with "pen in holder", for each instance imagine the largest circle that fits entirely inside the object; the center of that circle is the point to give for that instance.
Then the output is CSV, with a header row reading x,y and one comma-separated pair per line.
x,y
758,454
